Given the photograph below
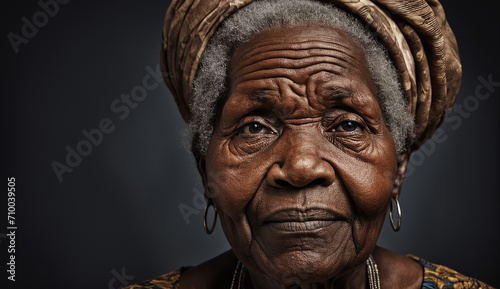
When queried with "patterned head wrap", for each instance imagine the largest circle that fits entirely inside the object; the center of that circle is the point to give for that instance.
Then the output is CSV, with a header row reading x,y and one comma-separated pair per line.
x,y
415,32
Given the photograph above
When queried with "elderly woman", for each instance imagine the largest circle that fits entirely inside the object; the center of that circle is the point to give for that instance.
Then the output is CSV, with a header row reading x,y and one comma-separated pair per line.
x,y
302,117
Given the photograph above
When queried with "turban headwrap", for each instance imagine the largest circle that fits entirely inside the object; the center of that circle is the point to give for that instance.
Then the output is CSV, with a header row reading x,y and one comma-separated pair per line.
x,y
415,33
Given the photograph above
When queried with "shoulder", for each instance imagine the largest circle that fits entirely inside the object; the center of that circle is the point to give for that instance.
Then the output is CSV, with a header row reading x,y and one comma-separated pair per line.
x,y
165,281
214,273
442,277
396,270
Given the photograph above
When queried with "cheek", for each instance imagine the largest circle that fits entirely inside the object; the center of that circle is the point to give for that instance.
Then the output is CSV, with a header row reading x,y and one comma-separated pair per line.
x,y
370,188
369,181
233,183
232,180
369,177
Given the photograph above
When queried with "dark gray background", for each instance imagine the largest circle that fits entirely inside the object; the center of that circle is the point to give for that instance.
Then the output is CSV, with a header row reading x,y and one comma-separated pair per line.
x,y
119,209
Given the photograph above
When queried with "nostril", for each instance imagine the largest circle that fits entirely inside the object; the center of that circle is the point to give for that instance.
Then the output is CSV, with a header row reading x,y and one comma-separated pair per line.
x,y
319,181
282,183
285,184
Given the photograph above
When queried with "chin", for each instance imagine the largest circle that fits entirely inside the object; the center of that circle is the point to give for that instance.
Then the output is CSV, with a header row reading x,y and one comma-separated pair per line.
x,y
306,266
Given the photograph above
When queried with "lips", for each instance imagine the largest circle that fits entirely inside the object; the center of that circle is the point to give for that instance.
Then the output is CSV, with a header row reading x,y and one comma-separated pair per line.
x,y
296,220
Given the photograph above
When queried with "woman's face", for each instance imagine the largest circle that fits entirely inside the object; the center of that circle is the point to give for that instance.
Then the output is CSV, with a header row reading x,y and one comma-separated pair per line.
x,y
301,165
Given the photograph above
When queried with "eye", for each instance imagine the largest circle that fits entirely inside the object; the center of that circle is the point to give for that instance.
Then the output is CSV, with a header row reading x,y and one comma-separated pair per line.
x,y
255,128
348,126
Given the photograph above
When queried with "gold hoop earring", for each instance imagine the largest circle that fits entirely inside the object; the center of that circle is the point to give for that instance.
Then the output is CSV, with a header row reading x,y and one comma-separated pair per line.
x,y
205,213
398,226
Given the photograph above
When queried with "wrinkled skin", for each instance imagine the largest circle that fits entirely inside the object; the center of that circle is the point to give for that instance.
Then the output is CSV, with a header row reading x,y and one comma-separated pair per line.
x,y
301,166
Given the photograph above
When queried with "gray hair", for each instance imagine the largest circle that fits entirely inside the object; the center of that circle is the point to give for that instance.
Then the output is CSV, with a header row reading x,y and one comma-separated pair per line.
x,y
211,81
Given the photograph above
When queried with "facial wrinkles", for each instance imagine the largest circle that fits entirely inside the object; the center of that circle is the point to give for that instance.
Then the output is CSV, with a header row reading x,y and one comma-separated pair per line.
x,y
293,103
292,68
324,43
286,59
292,88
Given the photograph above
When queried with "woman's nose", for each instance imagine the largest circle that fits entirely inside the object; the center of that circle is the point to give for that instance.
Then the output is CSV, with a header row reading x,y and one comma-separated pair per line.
x,y
301,166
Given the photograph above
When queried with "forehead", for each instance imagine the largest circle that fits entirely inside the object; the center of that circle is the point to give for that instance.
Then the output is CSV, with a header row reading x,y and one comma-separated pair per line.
x,y
312,61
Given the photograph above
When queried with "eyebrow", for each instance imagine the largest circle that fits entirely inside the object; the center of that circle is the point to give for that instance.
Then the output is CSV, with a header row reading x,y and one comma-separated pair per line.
x,y
340,93
261,95
331,93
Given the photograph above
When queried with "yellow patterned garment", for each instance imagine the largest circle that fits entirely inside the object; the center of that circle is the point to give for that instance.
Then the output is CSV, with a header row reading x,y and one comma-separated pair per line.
x,y
441,277
435,277
166,281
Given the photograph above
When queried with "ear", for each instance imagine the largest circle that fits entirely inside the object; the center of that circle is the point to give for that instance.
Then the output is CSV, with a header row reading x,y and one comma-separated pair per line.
x,y
400,174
